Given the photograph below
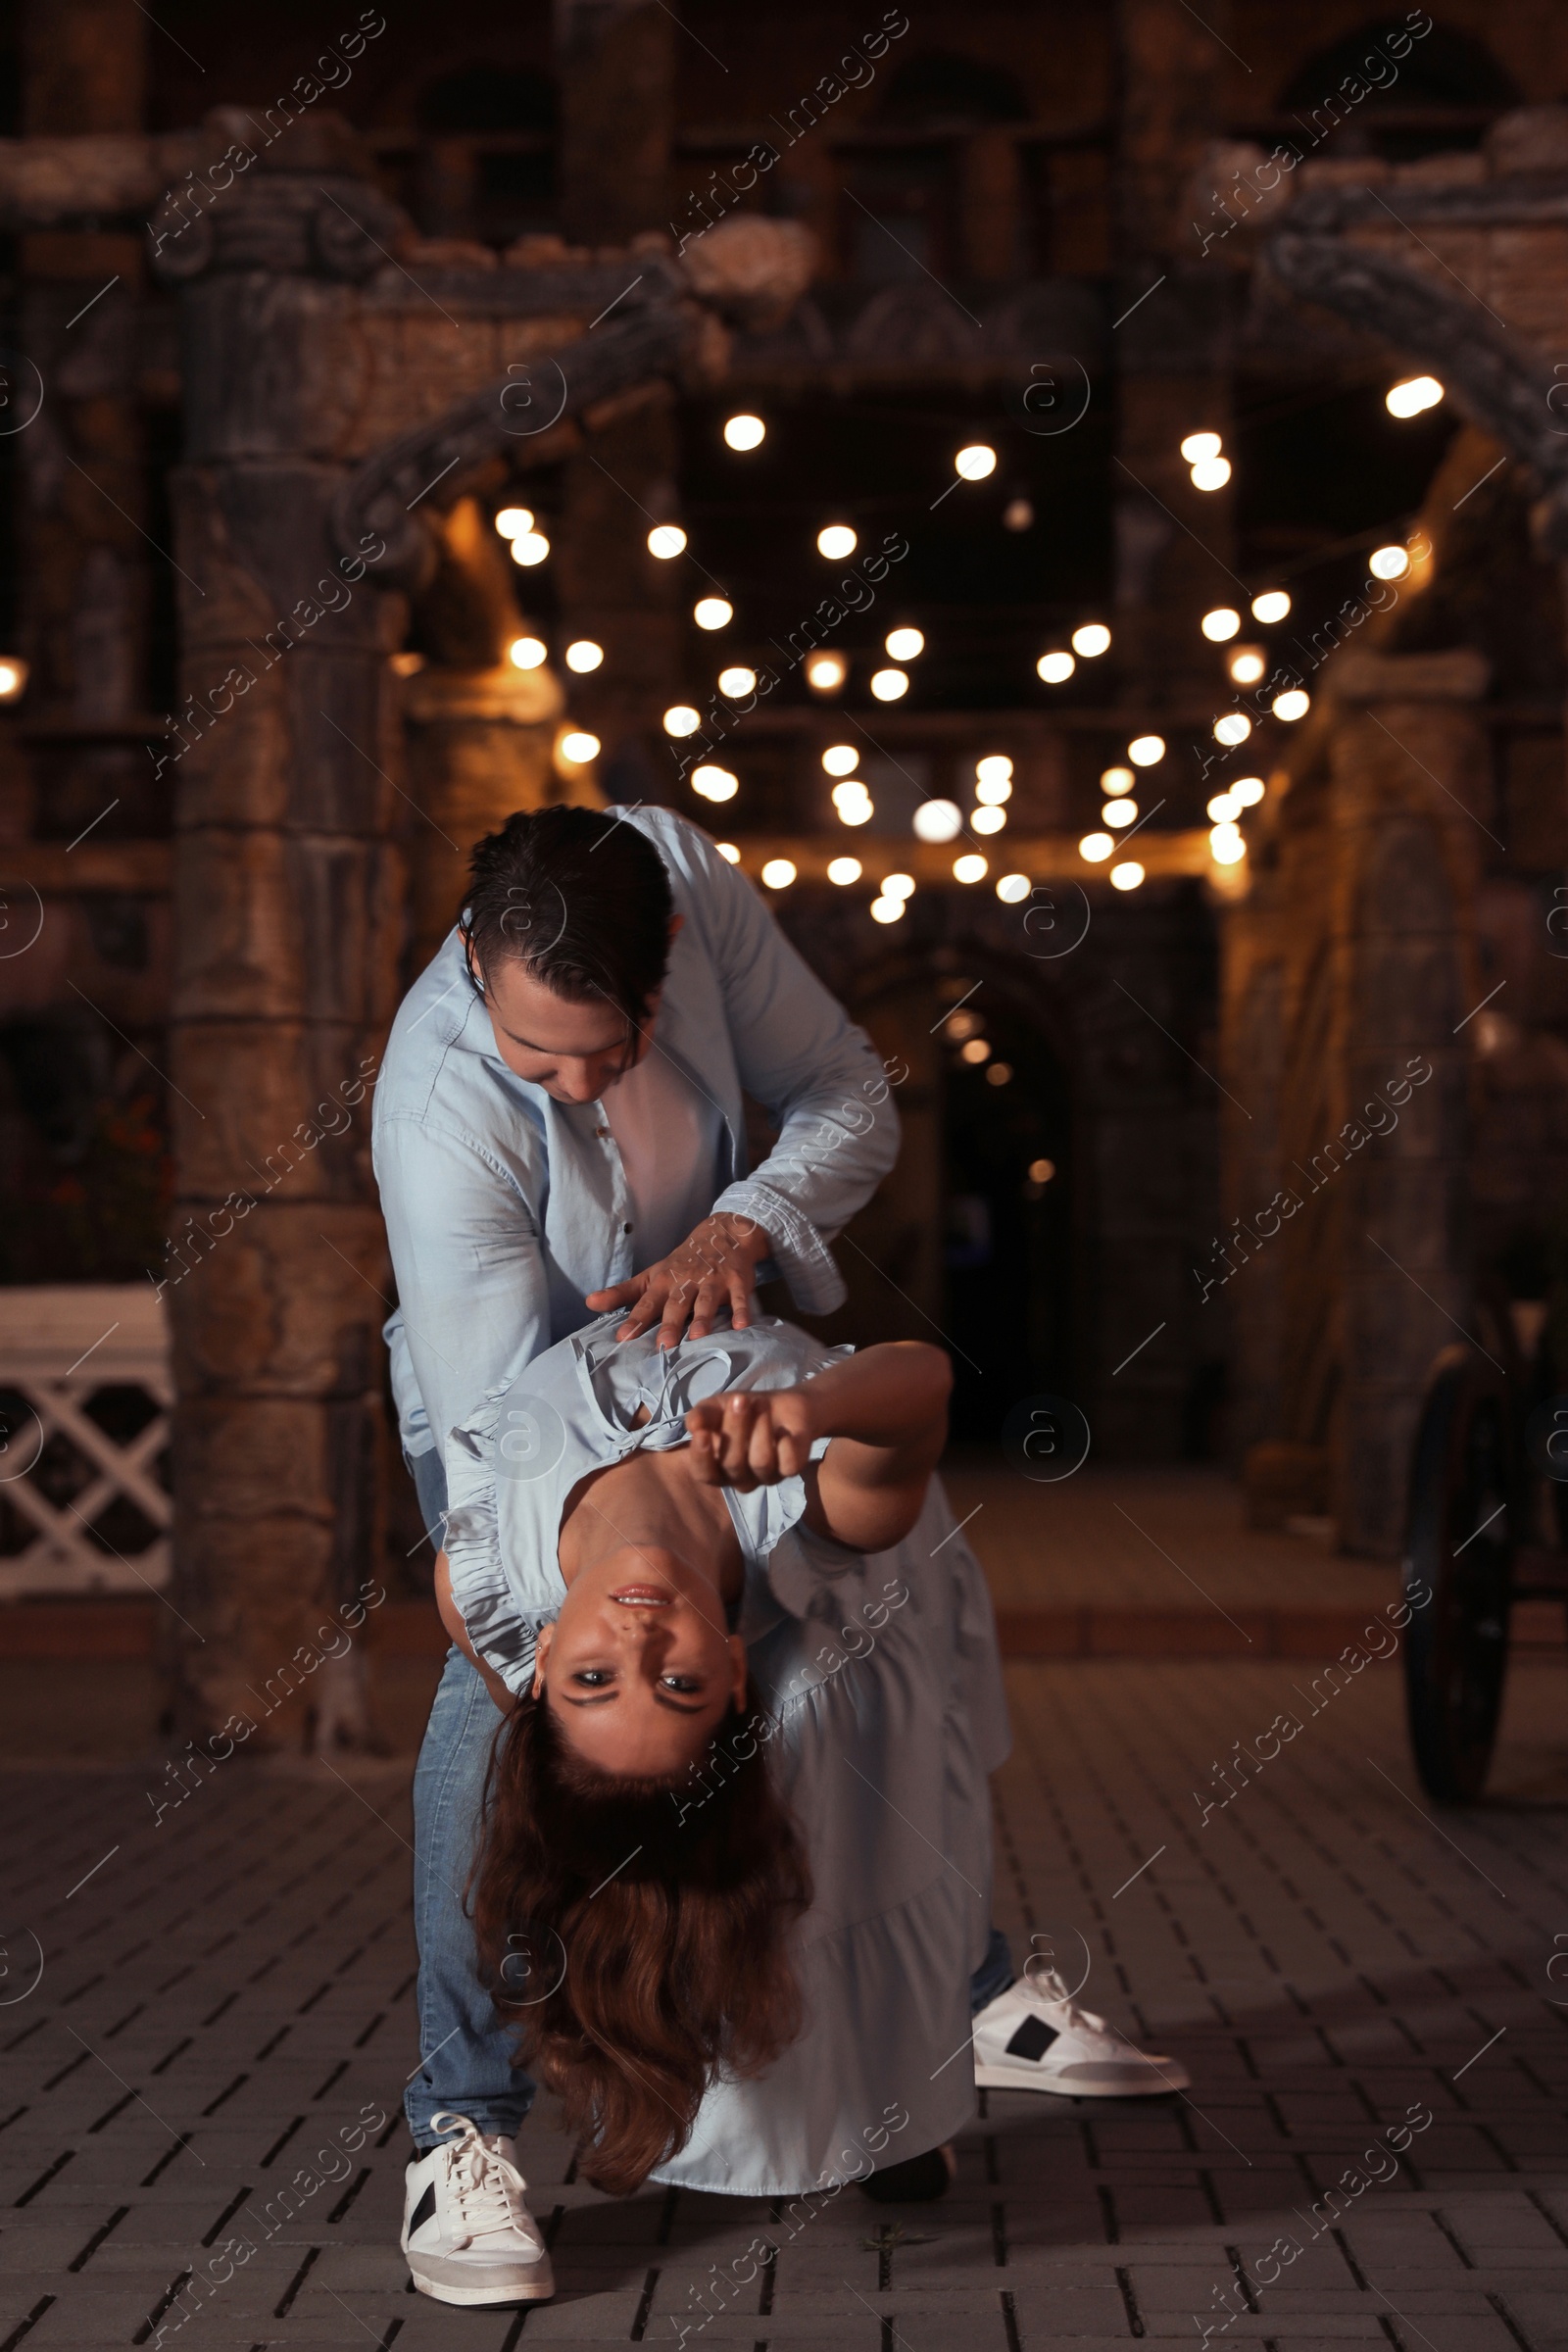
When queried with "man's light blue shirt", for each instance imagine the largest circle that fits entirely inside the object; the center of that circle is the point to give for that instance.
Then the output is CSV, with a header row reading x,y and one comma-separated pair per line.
x,y
504,1208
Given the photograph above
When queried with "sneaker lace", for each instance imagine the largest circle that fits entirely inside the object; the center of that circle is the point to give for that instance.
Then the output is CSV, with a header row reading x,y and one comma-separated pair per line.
x,y
1054,1985
484,2186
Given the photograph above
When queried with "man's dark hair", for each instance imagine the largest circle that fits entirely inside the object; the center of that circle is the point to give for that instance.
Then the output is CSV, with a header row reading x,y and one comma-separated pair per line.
x,y
579,897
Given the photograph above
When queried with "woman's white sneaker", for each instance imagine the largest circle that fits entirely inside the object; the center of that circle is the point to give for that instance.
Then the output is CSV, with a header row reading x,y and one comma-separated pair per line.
x,y
1034,2037
468,2236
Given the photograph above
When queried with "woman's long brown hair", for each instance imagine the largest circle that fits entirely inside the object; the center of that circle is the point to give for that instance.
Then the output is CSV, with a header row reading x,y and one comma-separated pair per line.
x,y
673,1905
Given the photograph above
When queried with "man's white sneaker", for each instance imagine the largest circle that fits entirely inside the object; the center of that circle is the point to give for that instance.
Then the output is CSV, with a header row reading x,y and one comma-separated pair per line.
x,y
468,2236
1034,2037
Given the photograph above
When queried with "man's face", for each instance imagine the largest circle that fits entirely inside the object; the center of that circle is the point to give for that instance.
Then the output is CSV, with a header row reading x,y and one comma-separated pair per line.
x,y
575,1051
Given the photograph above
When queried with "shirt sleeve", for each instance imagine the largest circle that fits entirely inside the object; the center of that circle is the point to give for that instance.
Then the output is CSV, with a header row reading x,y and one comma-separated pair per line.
x,y
470,1271
800,1056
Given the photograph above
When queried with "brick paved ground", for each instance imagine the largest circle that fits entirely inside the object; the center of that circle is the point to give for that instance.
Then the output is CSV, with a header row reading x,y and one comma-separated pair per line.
x,y
227,1993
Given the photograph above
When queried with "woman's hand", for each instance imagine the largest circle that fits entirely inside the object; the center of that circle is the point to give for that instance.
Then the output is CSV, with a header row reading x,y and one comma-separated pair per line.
x,y
714,1267
752,1439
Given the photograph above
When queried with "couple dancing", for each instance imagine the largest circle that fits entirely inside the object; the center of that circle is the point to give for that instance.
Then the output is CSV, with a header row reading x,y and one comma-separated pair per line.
x,y
702,1823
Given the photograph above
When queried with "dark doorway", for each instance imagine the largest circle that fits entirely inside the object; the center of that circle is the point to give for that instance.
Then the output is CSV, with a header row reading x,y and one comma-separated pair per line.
x,y
1008,1213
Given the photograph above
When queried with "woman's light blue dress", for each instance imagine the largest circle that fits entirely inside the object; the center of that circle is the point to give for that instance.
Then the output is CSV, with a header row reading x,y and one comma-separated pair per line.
x,y
885,1712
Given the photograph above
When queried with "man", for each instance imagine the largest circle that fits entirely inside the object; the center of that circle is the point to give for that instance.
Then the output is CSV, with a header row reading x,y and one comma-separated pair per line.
x,y
559,1131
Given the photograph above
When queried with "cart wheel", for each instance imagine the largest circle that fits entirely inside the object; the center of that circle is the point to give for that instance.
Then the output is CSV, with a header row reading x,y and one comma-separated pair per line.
x,y
1467,1517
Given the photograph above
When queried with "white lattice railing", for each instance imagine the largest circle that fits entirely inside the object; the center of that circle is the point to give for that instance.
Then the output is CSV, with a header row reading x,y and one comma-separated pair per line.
x,y
58,1348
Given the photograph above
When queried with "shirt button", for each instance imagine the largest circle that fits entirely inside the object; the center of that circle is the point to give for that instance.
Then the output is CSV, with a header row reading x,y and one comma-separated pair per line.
x,y
602,1131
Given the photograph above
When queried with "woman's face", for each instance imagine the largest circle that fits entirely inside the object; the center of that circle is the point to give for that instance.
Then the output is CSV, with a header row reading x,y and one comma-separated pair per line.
x,y
639,1666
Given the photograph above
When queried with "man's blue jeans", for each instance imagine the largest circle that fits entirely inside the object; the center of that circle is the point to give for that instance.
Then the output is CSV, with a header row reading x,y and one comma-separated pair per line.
x,y
466,2052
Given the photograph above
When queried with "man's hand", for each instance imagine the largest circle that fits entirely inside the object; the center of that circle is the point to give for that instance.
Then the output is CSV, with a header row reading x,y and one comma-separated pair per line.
x,y
754,1438
714,1267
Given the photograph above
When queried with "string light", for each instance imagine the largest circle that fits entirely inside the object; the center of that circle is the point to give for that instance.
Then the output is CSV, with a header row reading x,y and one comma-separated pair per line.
x,y
1127,875
1415,393
975,1051
728,852
1056,669
1247,791
834,540
1220,625
529,547
840,758
778,873
1245,666
584,654
904,645
988,820
1000,1074
513,520
1120,812
827,672
938,821
853,804
973,464
898,886
1017,514
1147,750
995,767
715,783
739,680
887,910
527,652
1389,563
1212,474
1096,848
888,685
1114,782
666,540
1272,606
992,790
579,747
1226,846
1221,809
1295,702
1093,638
1198,446
12,677
844,870
681,719
1010,888
744,432
712,612
970,868
1232,728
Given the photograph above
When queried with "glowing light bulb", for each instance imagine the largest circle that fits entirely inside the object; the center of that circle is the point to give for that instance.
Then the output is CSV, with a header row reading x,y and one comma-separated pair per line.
x,y
887,910
992,790
1389,563
12,677
1247,791
513,520
1415,393
1091,639
1245,666
975,1051
1096,848
1017,514
840,760
1120,812
938,821
715,783
973,464
728,852
827,672
778,873
681,719
1114,782
712,612
970,868
1232,728
579,747
529,547
889,684
898,886
905,645
1221,624
1056,669
1272,606
1147,750
988,820
739,680
995,767
1010,888
1295,702
1222,809
527,652
1226,846
834,540
1127,875
584,654
844,870
1198,446
744,432
666,540
1212,474
857,811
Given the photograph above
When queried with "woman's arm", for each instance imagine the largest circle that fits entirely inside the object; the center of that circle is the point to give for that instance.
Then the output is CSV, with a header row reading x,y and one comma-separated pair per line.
x,y
885,1411
459,1632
